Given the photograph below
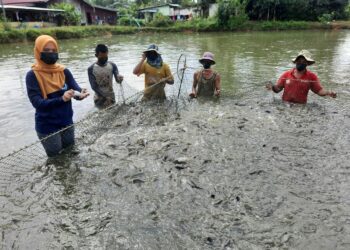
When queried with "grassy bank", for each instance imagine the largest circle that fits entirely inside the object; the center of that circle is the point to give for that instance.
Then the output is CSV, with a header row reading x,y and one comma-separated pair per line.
x,y
8,35
20,35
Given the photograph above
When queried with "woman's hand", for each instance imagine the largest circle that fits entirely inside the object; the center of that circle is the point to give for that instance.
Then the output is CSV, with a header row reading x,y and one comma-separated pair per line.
x,y
67,96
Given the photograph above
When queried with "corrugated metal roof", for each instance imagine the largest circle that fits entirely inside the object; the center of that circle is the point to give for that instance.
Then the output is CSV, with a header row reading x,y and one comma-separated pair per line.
x,y
158,6
15,2
99,7
26,2
17,7
148,11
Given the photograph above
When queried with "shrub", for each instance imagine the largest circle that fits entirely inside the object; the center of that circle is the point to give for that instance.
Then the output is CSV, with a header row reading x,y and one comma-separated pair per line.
x,y
280,25
125,21
347,10
3,38
326,18
6,26
161,21
231,14
32,34
16,35
68,33
70,16
237,22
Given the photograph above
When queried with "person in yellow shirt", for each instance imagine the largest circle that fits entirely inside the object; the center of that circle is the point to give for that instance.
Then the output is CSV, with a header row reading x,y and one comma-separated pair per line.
x,y
157,74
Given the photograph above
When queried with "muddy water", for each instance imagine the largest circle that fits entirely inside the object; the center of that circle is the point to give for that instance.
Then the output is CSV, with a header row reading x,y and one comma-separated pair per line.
x,y
244,60
243,172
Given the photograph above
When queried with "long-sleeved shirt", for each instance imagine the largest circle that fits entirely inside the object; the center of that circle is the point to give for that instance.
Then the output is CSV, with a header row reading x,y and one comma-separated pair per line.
x,y
51,114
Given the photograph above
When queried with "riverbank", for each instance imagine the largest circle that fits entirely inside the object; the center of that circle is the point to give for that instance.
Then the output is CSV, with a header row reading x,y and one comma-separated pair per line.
x,y
10,35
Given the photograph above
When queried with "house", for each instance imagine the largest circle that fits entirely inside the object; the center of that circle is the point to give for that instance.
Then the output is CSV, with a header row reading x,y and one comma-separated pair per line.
x,y
176,12
23,16
210,11
90,14
213,9
173,11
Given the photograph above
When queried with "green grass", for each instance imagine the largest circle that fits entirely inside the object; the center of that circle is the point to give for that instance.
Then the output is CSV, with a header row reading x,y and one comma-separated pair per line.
x,y
21,35
8,35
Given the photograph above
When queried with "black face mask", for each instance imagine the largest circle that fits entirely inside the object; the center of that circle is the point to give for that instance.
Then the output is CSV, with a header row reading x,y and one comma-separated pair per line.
x,y
102,61
49,57
301,66
206,65
152,56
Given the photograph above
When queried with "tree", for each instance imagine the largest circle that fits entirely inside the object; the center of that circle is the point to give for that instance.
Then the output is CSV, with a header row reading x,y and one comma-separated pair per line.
x,y
347,10
309,10
231,13
70,16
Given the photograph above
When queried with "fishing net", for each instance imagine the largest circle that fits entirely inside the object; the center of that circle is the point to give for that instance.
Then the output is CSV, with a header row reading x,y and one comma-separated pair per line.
x,y
96,123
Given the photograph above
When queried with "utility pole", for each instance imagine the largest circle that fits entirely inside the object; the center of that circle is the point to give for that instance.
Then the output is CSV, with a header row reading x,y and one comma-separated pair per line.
x,y
3,11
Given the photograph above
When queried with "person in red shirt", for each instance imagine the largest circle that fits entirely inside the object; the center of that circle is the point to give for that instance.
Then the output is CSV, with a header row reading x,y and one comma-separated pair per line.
x,y
298,81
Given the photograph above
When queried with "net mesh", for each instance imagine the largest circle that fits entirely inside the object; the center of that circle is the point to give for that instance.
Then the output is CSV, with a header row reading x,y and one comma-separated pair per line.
x,y
97,123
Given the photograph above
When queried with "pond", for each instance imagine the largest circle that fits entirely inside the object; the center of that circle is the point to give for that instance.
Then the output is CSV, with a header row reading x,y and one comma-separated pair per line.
x,y
245,61
246,171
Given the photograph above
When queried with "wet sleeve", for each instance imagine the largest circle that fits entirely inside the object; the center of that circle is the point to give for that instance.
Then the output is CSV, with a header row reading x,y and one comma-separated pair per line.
x,y
315,84
143,68
282,80
93,82
70,81
115,71
35,96
168,72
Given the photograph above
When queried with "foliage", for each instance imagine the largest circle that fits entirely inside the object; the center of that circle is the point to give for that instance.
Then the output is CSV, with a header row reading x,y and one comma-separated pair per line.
x,y
105,3
197,24
326,17
347,10
160,20
125,21
143,2
11,36
33,34
126,11
68,33
231,13
184,3
6,26
281,25
2,19
70,16
307,10
130,21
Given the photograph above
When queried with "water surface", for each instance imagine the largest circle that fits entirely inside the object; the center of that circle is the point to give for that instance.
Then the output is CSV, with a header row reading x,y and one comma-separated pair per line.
x,y
245,61
243,172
